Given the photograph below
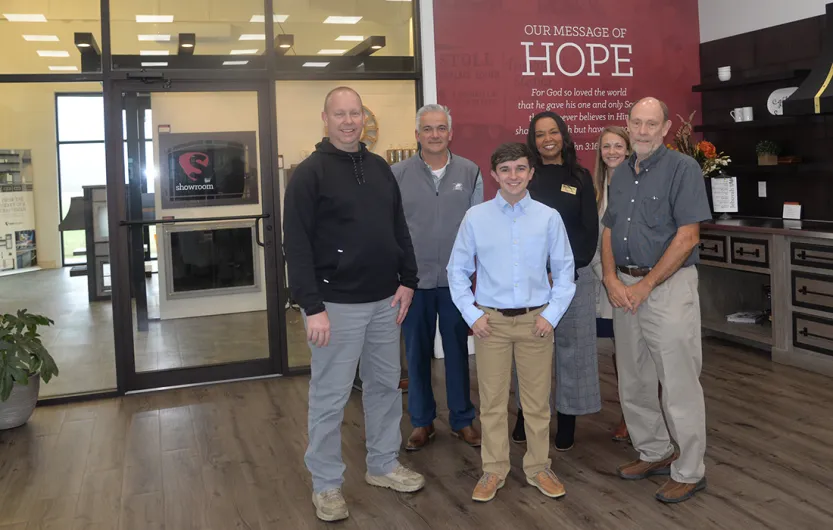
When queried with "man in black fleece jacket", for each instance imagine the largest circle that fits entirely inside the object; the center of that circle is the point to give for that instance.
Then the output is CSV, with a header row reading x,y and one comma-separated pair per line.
x,y
353,271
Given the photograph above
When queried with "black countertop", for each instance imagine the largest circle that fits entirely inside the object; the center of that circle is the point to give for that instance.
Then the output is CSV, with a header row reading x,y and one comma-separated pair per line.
x,y
766,225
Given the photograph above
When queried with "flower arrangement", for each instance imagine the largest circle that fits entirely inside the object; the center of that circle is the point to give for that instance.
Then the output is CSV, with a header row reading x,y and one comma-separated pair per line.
x,y
704,152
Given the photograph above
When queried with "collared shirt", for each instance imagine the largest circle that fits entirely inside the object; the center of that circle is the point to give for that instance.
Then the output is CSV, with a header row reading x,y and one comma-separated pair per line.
x,y
645,209
508,246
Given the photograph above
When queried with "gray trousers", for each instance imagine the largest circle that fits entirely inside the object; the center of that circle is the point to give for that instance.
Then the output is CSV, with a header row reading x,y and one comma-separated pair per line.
x,y
576,365
367,336
661,344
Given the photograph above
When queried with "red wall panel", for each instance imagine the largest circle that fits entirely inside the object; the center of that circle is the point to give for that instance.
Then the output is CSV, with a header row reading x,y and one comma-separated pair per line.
x,y
481,62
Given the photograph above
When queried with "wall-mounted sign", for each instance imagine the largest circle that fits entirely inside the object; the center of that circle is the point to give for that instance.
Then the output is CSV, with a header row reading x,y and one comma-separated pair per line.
x,y
208,169
18,249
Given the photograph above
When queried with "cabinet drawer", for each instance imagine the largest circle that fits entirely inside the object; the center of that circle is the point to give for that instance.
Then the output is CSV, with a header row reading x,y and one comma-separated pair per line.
x,y
752,252
813,333
712,248
812,291
807,255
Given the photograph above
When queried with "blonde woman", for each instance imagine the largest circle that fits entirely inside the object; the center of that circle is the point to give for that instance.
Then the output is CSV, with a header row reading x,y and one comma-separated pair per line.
x,y
613,149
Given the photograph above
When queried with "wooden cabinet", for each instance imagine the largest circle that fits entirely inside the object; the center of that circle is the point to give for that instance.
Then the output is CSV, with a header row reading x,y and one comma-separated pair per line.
x,y
810,255
813,333
713,247
813,291
750,252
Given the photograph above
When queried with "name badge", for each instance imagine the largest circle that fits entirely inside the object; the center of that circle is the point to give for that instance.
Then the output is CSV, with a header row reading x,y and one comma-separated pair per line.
x,y
568,189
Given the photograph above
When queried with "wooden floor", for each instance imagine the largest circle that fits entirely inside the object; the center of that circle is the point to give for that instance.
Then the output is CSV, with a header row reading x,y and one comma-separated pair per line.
x,y
231,457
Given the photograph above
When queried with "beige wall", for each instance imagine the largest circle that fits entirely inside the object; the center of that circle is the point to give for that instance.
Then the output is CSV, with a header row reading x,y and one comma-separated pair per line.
x,y
300,103
27,121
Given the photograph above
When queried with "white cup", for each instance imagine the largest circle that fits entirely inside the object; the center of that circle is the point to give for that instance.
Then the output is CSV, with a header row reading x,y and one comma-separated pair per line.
x,y
747,113
724,73
737,114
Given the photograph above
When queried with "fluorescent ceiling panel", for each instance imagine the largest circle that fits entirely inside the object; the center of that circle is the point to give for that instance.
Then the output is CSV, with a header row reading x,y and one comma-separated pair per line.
x,y
41,38
342,20
275,18
155,19
14,17
154,38
53,53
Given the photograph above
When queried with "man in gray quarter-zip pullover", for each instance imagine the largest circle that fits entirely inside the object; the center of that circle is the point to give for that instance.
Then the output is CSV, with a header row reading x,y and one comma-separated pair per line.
x,y
437,189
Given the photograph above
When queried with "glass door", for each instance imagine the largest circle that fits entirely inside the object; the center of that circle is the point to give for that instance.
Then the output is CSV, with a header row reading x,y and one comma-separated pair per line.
x,y
198,286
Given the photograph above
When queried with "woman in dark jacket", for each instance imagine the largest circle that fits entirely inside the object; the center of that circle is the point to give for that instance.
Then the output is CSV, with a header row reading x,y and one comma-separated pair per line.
x,y
561,183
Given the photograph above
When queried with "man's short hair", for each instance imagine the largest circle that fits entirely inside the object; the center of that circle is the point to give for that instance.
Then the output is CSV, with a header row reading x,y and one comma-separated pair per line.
x,y
662,105
339,89
433,107
509,152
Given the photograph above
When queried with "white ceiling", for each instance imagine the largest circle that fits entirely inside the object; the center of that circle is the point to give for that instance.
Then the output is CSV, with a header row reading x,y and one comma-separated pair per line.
x,y
217,24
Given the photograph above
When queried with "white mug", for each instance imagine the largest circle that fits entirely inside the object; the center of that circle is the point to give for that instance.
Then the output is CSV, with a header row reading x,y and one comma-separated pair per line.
x,y
724,73
737,114
747,113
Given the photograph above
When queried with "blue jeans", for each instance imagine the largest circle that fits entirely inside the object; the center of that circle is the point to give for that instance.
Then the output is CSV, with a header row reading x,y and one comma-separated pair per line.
x,y
419,330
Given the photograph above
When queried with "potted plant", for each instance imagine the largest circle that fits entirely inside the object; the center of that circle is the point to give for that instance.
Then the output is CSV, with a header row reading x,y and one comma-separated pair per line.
x,y
768,152
24,361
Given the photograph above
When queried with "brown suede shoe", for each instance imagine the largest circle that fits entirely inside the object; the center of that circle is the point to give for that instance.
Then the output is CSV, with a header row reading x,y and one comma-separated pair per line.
x,y
620,434
487,487
639,469
420,437
673,491
468,434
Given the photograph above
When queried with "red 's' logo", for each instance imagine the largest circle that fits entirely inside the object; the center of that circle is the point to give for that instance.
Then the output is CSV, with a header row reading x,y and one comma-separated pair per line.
x,y
189,162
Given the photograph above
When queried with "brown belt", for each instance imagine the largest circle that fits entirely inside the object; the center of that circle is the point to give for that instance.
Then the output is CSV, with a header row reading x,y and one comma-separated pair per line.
x,y
514,312
636,272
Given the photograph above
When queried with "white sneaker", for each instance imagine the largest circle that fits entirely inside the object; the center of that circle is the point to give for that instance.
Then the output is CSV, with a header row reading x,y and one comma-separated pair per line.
x,y
400,479
330,505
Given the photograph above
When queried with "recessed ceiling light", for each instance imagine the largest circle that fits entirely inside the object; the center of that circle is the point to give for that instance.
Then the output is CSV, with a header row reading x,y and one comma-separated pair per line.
x,y
63,68
235,63
155,38
155,64
154,52
187,45
253,36
275,18
244,52
313,64
350,38
376,47
41,38
155,19
53,53
342,20
330,52
83,44
12,17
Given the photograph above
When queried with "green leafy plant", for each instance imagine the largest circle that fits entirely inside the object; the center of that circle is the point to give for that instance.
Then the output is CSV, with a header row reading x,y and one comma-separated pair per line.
x,y
767,147
22,354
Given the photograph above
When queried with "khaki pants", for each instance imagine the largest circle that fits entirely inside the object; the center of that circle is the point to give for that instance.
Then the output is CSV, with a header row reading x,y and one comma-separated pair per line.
x,y
661,343
533,360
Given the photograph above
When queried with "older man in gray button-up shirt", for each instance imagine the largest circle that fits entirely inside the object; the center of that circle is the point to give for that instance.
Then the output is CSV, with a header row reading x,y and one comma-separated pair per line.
x,y
657,201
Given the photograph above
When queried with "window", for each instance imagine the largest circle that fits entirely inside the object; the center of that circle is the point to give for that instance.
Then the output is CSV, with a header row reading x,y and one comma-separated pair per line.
x,y
81,160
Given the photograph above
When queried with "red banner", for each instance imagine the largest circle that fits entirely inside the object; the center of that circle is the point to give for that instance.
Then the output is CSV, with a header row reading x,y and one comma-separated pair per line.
x,y
499,62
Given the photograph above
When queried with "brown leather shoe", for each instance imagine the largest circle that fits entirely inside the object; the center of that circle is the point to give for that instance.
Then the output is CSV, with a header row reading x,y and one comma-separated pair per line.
x,y
673,491
620,434
420,437
639,469
468,434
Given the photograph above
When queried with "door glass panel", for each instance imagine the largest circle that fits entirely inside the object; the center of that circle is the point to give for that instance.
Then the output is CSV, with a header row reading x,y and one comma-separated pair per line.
x,y
202,301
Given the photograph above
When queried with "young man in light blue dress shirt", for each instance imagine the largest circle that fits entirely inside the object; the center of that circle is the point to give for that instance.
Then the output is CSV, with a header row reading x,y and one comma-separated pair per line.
x,y
508,241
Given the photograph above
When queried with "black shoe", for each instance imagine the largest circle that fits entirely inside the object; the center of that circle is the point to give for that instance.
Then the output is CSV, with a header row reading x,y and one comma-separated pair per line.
x,y
565,436
519,434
